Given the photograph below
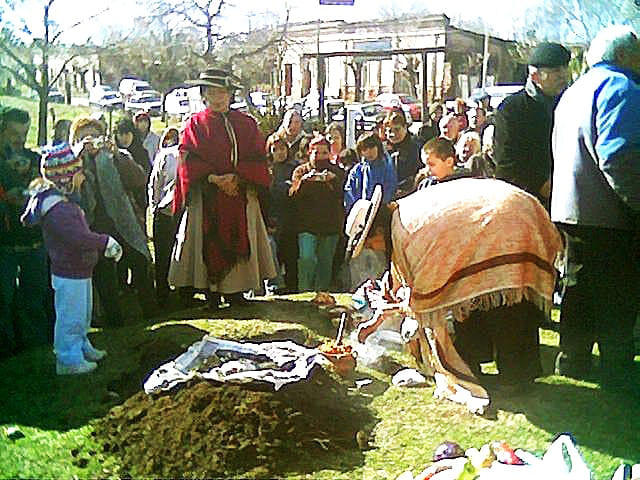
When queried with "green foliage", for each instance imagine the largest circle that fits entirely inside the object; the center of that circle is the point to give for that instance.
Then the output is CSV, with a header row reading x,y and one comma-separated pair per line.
x,y
162,56
268,123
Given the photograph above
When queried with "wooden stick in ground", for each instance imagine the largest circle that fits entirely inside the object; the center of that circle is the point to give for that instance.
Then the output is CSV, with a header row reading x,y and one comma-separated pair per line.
x,y
343,319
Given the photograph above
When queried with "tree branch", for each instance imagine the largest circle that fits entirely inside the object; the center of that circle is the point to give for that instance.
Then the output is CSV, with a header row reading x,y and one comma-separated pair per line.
x,y
22,79
29,80
78,23
61,71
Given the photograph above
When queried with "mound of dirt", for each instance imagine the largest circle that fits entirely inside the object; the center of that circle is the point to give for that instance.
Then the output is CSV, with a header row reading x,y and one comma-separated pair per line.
x,y
206,430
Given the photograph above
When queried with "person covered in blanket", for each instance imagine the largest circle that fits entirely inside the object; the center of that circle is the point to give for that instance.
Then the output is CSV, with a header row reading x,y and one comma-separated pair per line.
x,y
497,282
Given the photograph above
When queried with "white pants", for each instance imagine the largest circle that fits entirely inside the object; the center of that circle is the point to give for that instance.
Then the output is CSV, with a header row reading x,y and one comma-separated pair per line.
x,y
73,302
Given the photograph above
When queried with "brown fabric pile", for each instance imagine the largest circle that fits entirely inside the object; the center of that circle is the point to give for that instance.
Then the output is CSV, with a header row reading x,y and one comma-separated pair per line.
x,y
206,430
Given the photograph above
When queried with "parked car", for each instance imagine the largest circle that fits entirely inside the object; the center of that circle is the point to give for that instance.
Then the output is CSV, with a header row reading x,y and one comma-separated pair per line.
x,y
368,114
148,101
496,93
105,97
55,96
130,87
403,100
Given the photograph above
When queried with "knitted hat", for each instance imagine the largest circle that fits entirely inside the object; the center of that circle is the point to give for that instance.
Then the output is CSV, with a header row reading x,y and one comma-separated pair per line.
x,y
59,166
550,55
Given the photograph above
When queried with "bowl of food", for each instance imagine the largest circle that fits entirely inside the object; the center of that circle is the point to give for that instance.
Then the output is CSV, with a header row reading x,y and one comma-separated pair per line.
x,y
340,355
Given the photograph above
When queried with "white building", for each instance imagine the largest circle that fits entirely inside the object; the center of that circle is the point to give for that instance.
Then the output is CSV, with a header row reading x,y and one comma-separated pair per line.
x,y
453,58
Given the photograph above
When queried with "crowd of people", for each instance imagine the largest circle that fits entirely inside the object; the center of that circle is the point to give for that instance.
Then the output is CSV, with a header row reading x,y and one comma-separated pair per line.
x,y
233,213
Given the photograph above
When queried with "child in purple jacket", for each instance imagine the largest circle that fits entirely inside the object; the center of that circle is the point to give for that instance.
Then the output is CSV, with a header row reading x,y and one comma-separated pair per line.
x,y
73,250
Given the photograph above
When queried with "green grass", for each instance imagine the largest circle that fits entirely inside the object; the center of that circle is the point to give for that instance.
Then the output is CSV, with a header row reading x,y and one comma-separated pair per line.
x,y
55,413
62,111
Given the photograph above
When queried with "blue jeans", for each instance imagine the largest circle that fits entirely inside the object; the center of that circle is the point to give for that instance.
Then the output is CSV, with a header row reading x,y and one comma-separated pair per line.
x,y
74,304
315,261
23,295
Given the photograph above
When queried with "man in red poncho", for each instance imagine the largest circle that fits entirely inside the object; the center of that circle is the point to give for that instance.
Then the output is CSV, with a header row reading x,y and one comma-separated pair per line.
x,y
221,244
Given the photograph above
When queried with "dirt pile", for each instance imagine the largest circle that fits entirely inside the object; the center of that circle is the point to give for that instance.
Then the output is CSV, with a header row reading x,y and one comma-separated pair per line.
x,y
209,430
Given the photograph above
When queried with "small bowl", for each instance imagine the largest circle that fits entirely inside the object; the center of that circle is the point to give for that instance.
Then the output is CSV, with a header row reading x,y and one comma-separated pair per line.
x,y
343,362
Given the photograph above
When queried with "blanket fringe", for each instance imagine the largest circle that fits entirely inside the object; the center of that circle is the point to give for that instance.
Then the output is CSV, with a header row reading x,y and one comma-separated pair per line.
x,y
488,301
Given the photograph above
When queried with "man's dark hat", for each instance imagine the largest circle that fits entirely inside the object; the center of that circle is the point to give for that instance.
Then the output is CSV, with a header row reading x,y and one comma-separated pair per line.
x,y
550,55
216,77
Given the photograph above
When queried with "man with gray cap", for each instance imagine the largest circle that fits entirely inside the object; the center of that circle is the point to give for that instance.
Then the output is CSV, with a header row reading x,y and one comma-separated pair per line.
x,y
524,120
596,202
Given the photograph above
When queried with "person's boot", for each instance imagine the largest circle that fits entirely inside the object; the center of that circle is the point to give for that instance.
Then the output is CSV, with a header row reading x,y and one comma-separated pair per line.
x,y
573,365
236,299
213,301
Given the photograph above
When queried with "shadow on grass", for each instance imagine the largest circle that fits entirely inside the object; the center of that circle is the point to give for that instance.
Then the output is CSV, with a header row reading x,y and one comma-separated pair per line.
x,y
602,421
34,395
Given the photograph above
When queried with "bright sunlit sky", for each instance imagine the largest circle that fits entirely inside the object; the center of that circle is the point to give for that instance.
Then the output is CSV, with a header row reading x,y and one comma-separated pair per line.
x,y
500,15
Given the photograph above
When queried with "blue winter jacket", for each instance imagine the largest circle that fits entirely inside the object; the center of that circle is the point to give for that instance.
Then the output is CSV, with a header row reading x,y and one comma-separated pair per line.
x,y
366,175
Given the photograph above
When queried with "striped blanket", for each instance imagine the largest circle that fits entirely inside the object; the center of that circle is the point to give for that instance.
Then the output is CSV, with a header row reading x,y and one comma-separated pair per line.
x,y
470,244
474,244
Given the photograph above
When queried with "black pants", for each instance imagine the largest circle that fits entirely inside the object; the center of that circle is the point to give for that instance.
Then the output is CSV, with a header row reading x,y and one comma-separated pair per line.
x,y
287,241
164,234
105,280
603,304
508,334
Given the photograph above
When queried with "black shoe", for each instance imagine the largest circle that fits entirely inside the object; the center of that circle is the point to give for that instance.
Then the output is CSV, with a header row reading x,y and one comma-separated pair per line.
x,y
236,299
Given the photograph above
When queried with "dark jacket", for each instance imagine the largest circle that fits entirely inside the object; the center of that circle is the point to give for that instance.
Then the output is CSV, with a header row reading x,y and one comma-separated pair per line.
x,y
406,157
14,181
522,141
318,205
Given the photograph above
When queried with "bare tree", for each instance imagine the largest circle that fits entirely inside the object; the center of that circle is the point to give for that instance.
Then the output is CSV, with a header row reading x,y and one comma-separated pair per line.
x,y
157,54
203,15
38,77
578,21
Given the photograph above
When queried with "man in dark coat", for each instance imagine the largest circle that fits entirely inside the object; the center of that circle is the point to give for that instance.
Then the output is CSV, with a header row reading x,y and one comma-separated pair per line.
x,y
23,265
404,149
524,121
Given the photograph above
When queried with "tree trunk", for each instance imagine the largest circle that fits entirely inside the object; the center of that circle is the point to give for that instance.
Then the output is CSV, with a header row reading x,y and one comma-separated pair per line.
x,y
42,116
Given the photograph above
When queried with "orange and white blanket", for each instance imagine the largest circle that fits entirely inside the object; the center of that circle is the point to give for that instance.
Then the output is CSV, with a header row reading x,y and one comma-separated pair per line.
x,y
473,244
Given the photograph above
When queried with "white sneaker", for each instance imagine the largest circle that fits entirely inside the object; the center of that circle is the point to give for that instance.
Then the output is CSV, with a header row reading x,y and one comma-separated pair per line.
x,y
94,355
76,369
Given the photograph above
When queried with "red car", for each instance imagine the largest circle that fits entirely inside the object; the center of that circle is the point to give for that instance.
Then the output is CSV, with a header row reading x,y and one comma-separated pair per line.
x,y
403,100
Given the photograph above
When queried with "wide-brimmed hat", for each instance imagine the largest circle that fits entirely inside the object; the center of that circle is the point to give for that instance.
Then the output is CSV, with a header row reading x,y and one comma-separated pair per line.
x,y
360,220
216,77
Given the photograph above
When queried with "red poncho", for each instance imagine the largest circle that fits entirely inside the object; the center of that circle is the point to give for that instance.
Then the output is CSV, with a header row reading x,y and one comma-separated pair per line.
x,y
210,150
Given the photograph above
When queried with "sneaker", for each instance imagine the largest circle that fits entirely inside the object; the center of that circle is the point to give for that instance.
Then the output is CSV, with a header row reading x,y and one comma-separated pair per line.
x,y
94,355
76,369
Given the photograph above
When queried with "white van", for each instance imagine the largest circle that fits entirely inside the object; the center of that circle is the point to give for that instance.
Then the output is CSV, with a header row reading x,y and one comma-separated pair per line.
x,y
176,102
132,86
